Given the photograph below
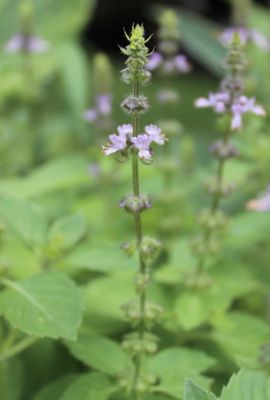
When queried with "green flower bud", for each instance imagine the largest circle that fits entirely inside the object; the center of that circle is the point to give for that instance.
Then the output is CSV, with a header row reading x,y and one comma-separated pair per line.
x,y
149,248
102,74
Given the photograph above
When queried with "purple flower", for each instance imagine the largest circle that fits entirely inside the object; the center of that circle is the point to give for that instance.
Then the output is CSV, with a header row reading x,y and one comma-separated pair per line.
x,y
218,101
103,107
154,132
125,130
142,143
90,115
241,106
31,44
182,64
228,33
178,63
260,204
246,35
118,143
104,104
154,61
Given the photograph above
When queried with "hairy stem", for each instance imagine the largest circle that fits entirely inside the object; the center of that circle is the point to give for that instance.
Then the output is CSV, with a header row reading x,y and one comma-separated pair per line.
x,y
138,229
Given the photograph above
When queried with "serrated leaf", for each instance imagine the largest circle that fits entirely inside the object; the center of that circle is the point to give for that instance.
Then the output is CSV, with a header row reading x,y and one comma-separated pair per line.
x,y
67,231
100,353
194,392
93,386
47,304
174,365
247,385
24,219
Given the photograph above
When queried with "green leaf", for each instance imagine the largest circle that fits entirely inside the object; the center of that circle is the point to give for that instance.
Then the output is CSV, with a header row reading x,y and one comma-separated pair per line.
x,y
11,372
47,304
194,392
93,386
247,385
55,389
67,231
55,175
200,38
100,353
74,71
90,256
174,365
25,219
240,334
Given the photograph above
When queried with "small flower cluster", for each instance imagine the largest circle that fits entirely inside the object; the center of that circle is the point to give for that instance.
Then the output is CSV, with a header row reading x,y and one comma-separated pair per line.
x,y
262,203
142,142
230,99
221,102
29,44
246,36
178,63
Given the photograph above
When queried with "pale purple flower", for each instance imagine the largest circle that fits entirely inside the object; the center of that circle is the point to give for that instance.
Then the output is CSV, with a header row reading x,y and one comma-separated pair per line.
x,y
154,61
90,115
218,101
154,132
31,44
142,143
178,63
117,143
182,64
125,130
228,33
241,106
103,107
104,104
246,35
262,203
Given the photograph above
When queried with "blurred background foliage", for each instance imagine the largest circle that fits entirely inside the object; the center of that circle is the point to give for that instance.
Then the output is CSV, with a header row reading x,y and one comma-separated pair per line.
x,y
59,196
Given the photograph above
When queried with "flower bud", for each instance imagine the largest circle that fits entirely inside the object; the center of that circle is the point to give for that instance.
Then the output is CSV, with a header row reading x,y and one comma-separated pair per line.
x,y
223,150
134,204
149,248
135,105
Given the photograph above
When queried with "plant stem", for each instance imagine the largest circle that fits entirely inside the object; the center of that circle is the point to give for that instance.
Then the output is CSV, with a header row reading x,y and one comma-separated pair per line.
x,y
138,229
18,348
214,205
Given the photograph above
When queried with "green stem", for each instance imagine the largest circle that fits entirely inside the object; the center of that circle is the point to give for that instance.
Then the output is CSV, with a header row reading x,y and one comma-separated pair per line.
x,y
18,348
214,205
139,236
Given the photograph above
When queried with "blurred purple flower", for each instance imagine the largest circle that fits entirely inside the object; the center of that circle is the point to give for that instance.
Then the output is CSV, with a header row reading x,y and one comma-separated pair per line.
x,y
31,44
241,106
103,107
154,61
221,103
262,203
182,64
142,143
218,101
104,104
178,63
246,35
154,132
